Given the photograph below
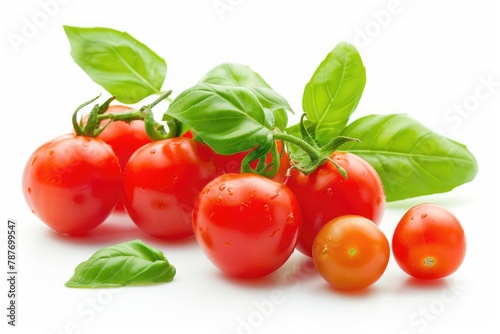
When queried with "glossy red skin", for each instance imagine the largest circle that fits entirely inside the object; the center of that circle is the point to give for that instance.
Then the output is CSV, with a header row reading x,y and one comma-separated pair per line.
x,y
246,224
162,180
72,183
125,138
429,231
324,195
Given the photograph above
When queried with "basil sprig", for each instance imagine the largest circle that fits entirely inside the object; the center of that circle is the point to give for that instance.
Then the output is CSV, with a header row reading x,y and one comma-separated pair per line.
x,y
233,109
125,67
131,262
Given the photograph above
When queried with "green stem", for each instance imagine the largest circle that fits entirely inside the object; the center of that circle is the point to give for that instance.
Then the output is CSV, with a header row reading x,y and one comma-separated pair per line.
x,y
155,130
317,155
310,150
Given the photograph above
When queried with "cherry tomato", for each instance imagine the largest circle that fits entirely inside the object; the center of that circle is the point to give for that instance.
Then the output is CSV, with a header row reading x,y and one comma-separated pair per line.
x,y
232,163
125,138
429,242
325,194
162,180
72,183
351,252
246,224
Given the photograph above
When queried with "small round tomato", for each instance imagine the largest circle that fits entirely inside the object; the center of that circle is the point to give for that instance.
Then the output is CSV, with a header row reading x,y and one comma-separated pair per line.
x,y
429,242
325,194
350,252
246,224
72,183
124,137
162,181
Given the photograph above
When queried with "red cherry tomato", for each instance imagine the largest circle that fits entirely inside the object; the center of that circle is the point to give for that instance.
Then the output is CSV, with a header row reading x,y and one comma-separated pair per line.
x,y
429,242
162,180
72,183
351,252
324,195
246,224
125,138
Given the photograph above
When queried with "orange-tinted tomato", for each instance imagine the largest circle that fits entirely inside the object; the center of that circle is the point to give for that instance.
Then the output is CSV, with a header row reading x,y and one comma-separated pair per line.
x,y
351,252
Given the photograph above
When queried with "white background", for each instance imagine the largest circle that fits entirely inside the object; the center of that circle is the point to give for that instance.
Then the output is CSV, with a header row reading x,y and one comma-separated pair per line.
x,y
429,59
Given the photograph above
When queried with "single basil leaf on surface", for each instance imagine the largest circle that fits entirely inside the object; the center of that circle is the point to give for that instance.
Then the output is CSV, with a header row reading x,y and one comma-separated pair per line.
x,y
228,119
233,74
131,262
411,159
119,63
333,92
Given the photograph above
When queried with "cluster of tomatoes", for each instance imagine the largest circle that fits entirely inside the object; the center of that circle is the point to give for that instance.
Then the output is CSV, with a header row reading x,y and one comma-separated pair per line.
x,y
248,225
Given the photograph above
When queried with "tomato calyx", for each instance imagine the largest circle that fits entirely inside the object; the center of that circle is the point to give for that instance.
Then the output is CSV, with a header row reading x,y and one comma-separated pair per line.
x,y
310,155
93,128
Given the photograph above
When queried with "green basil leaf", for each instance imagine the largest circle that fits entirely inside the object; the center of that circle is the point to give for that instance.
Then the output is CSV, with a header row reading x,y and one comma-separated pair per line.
x,y
333,92
228,119
131,262
237,75
411,159
275,106
233,74
119,63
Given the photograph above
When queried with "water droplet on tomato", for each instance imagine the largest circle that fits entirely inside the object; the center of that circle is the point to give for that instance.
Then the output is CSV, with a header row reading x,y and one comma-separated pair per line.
x,y
274,232
424,215
51,152
153,151
218,199
266,207
324,251
159,205
243,206
222,187
274,195
230,191
329,191
227,244
290,219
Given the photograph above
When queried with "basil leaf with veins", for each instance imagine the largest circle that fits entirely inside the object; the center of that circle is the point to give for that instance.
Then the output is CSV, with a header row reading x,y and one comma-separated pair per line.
x,y
411,159
131,262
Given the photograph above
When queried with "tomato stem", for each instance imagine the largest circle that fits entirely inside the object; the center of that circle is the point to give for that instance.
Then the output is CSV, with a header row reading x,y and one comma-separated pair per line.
x,y
155,130
316,155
